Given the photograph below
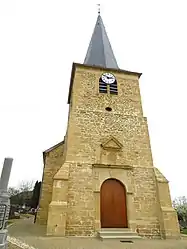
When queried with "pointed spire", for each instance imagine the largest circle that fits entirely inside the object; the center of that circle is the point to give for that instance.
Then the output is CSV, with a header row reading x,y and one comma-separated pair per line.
x,y
100,52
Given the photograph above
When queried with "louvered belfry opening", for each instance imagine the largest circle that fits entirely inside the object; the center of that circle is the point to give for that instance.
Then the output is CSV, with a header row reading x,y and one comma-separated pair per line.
x,y
102,86
113,88
105,88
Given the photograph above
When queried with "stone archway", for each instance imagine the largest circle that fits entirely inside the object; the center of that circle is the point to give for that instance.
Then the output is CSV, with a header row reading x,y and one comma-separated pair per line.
x,y
113,208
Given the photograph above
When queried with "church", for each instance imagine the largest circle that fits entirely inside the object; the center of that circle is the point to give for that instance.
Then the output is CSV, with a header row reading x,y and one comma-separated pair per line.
x,y
100,180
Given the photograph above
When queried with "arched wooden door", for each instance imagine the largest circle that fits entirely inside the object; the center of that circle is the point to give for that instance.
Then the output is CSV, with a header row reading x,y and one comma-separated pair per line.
x,y
113,205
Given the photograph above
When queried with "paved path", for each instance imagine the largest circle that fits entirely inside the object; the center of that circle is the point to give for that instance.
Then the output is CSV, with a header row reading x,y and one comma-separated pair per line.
x,y
32,236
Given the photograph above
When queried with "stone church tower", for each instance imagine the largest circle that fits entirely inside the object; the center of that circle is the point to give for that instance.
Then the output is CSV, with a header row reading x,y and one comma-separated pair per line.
x,y
101,180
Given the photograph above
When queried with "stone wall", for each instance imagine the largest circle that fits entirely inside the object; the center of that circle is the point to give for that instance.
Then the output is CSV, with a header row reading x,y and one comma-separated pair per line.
x,y
169,225
85,93
89,127
80,220
52,162
146,202
90,124
75,205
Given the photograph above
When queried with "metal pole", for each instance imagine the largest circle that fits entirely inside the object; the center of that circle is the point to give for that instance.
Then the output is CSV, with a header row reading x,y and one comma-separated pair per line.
x,y
4,201
5,174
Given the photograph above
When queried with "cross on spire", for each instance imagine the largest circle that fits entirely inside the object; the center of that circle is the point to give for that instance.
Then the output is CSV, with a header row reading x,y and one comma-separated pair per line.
x,y
99,8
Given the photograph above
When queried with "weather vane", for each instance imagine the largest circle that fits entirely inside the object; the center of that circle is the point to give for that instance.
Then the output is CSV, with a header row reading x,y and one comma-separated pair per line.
x,y
99,8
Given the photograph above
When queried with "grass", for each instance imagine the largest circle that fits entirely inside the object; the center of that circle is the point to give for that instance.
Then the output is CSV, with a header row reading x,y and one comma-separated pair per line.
x,y
184,231
27,215
10,222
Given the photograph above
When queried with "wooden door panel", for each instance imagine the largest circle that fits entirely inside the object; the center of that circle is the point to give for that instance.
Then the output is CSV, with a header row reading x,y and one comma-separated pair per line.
x,y
113,205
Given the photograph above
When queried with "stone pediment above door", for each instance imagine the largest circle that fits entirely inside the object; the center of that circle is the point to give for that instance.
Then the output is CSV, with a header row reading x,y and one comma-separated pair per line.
x,y
112,144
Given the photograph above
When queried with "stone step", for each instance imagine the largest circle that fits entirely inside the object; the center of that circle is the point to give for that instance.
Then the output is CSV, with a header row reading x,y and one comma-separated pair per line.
x,y
124,238
125,233
118,233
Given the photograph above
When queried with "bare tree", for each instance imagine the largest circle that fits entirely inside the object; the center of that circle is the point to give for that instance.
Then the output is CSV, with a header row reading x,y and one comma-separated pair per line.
x,y
26,186
21,194
180,204
13,191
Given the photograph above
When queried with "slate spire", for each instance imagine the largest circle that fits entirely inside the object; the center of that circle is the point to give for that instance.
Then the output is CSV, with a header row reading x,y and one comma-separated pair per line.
x,y
100,52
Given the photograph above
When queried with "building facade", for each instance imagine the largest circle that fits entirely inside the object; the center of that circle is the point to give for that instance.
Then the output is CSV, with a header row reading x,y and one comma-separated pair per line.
x,y
102,175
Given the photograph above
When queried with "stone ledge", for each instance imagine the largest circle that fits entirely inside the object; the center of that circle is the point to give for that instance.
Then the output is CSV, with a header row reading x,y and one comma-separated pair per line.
x,y
58,203
168,209
127,167
62,173
162,181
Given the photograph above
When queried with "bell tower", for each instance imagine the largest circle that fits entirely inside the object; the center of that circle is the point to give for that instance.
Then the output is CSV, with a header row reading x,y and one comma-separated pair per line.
x,y
106,154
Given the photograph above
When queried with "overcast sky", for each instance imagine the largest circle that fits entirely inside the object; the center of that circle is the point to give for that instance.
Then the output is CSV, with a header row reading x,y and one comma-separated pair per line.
x,y
39,40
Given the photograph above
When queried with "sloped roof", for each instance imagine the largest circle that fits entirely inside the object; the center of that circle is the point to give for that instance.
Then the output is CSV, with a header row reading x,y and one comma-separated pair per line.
x,y
53,147
100,52
159,176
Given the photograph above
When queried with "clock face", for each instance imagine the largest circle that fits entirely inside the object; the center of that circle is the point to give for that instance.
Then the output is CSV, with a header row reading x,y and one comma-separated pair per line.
x,y
108,78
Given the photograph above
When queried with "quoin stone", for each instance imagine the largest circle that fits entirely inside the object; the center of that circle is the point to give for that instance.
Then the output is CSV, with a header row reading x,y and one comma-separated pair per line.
x,y
101,176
